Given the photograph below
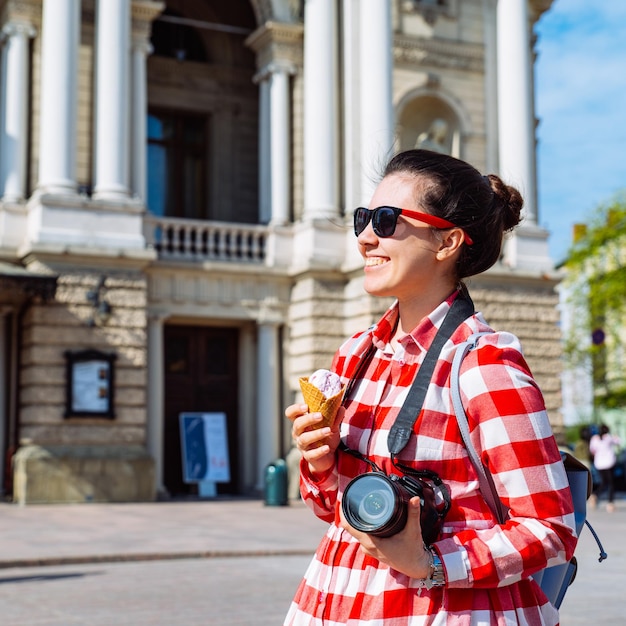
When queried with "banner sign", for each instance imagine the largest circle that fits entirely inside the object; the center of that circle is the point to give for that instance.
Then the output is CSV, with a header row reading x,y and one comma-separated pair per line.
x,y
204,445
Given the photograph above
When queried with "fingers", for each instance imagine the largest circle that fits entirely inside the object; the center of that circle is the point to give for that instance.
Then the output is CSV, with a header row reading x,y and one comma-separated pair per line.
x,y
296,410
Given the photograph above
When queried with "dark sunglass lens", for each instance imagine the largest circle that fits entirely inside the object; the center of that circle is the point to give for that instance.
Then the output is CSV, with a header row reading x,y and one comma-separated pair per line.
x,y
384,222
361,220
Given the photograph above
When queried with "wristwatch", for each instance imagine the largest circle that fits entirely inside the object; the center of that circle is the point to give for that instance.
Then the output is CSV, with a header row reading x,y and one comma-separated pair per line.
x,y
436,577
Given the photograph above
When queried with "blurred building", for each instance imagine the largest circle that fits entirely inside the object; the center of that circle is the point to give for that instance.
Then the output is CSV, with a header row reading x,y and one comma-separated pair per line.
x,y
177,181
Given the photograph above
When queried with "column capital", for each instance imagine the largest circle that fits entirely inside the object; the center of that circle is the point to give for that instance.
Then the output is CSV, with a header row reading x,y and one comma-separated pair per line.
x,y
157,316
143,13
275,67
270,312
11,29
276,42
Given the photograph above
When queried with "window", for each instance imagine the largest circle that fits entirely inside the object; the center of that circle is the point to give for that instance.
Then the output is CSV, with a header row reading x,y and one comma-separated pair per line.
x,y
177,164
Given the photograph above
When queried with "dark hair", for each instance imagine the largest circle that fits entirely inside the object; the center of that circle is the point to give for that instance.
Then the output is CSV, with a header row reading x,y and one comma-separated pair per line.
x,y
483,206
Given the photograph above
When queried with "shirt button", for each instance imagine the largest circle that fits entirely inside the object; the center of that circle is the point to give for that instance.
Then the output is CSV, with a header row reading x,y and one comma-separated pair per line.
x,y
402,362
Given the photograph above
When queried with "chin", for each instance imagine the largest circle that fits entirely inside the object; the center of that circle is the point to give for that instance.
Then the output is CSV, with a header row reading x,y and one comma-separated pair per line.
x,y
377,291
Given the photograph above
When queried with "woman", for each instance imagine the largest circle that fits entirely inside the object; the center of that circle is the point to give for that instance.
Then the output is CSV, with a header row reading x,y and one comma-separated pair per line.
x,y
602,447
450,226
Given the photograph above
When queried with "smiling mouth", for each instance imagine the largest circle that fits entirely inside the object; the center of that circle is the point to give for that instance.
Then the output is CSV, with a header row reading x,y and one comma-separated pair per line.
x,y
372,261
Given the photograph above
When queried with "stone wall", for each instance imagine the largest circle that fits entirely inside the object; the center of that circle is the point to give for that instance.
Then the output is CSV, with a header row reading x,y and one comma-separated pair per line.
x,y
49,439
528,309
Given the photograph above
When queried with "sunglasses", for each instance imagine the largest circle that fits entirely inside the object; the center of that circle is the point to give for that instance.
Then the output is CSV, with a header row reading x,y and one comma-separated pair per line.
x,y
385,218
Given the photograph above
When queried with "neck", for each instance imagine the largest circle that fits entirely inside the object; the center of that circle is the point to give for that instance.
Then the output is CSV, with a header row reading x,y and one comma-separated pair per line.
x,y
413,310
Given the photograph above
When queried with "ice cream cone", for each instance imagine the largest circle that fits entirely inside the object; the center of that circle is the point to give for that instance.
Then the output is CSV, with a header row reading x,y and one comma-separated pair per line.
x,y
319,403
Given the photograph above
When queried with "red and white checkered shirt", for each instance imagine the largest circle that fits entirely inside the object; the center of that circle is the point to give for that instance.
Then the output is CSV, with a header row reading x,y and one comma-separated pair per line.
x,y
488,566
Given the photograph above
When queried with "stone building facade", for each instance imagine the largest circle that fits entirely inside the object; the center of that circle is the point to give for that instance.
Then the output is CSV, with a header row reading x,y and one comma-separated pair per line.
x,y
177,180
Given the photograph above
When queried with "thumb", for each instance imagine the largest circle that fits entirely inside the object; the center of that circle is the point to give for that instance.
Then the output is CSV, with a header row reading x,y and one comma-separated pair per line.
x,y
414,511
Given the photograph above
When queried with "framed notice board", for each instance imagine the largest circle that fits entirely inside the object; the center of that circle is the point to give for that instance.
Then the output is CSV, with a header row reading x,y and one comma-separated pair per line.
x,y
89,384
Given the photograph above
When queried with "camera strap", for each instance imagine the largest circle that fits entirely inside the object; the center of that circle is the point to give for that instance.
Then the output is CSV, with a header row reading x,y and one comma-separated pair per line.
x,y
402,429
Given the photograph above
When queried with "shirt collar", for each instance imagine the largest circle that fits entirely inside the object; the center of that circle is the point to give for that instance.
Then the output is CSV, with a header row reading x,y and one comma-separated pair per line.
x,y
422,335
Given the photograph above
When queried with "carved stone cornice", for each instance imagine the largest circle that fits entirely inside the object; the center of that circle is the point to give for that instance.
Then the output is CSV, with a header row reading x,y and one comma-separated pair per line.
x,y
277,41
411,50
214,293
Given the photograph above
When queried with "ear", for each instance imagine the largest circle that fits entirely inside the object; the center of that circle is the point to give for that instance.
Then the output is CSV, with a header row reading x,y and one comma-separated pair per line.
x,y
450,244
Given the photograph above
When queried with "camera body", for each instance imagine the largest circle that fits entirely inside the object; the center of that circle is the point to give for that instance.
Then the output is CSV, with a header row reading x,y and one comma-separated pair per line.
x,y
377,504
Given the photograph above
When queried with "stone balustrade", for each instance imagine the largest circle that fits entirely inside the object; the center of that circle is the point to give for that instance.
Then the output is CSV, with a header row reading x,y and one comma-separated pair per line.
x,y
184,239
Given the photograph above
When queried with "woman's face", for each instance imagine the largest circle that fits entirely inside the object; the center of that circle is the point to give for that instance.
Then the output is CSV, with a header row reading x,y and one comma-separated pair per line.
x,y
404,265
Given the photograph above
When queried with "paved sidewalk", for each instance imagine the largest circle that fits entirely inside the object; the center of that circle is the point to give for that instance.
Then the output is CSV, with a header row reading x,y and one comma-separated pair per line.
x,y
55,534
284,537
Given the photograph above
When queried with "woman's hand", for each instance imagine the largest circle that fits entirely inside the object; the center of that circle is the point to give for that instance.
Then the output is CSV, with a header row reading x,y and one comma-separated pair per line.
x,y
403,551
317,445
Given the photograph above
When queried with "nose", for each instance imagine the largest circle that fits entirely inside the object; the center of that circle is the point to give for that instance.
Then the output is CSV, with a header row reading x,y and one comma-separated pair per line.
x,y
367,235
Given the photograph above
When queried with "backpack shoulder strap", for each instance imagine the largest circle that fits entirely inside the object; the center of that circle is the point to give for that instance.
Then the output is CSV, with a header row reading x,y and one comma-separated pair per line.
x,y
581,488
485,478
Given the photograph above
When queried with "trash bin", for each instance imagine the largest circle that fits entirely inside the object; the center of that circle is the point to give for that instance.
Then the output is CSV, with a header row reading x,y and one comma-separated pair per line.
x,y
276,483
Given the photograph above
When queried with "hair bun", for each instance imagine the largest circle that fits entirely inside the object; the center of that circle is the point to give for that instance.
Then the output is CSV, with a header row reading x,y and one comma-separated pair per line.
x,y
507,200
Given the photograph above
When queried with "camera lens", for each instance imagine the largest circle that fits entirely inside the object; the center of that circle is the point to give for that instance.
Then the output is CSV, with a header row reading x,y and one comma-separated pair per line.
x,y
375,504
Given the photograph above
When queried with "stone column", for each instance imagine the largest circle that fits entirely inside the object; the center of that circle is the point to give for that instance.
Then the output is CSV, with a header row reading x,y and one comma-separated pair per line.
x,y
321,123
269,411
142,16
274,142
14,123
265,185
515,102
141,49
112,100
59,96
280,142
491,84
156,397
376,98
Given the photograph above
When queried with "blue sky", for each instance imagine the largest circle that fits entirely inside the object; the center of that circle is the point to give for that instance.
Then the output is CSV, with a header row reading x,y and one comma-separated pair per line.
x,y
580,99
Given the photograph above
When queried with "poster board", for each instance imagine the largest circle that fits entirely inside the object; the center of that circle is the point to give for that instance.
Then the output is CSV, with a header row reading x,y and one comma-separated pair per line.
x,y
89,383
204,444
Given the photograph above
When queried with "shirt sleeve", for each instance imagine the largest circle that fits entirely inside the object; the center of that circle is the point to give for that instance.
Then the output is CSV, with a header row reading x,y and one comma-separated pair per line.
x,y
319,493
511,432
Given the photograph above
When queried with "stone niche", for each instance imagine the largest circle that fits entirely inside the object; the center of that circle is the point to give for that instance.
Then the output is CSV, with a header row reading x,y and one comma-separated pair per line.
x,y
73,474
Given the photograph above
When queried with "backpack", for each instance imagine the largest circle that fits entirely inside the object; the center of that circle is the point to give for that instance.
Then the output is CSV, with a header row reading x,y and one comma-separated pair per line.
x,y
554,580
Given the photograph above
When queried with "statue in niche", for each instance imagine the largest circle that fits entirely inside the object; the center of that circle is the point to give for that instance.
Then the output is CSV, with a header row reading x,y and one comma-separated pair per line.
x,y
435,137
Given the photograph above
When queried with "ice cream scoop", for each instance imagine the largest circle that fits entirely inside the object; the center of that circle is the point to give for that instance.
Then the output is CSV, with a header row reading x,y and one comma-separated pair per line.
x,y
326,381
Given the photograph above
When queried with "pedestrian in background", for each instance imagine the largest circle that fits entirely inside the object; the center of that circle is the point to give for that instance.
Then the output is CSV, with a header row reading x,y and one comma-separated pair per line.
x,y
603,447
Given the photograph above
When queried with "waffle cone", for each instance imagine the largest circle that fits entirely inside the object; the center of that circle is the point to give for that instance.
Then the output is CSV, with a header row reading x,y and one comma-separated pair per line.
x,y
319,403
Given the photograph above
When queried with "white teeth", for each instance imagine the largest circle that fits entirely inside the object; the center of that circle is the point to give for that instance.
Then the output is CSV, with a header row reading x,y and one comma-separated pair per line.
x,y
374,261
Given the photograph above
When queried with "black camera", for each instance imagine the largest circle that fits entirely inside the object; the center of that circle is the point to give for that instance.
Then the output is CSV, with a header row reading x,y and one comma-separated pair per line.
x,y
377,504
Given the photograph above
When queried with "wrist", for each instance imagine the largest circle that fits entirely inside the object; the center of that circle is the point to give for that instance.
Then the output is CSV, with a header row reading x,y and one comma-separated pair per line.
x,y
436,575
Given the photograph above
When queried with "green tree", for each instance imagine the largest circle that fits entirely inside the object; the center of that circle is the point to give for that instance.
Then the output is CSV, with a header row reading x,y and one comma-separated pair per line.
x,y
596,288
